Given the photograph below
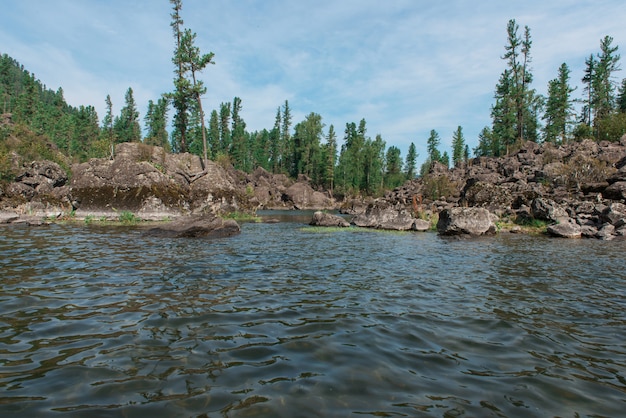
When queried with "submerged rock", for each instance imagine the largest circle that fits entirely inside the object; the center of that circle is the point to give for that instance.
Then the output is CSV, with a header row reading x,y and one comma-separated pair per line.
x,y
326,219
196,227
466,221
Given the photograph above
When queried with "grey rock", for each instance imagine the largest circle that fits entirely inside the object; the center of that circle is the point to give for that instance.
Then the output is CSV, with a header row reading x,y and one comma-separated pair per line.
x,y
470,221
326,219
565,230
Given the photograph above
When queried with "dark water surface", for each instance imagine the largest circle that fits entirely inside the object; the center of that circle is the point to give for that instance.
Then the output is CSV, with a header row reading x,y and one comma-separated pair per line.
x,y
283,321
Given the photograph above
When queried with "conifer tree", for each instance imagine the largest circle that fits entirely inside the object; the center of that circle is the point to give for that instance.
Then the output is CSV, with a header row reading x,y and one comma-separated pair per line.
x,y
126,126
458,147
275,143
107,125
559,108
411,162
603,84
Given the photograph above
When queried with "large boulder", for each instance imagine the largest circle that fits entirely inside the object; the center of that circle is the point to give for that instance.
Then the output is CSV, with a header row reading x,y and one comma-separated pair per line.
x,y
547,210
302,196
327,219
616,191
466,221
567,229
198,226
382,215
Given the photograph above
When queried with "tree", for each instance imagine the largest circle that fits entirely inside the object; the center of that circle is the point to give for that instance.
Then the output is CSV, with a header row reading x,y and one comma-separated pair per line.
x,y
192,62
432,144
393,168
287,163
559,108
214,134
330,158
275,143
518,66
621,98
224,126
373,165
126,126
239,148
411,162
486,147
587,113
458,147
156,123
602,84
307,137
107,125
181,94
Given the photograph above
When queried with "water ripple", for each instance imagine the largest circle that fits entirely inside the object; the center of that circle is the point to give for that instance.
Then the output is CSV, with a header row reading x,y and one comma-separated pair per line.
x,y
282,321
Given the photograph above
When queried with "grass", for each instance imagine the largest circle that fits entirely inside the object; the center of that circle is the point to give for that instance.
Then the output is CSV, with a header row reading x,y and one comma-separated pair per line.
x,y
241,217
129,218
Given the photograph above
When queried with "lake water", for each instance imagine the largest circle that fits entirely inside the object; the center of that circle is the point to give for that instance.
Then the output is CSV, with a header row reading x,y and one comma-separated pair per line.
x,y
290,321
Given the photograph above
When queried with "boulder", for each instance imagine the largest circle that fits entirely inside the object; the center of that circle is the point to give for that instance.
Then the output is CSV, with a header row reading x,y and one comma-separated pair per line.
x,y
485,194
421,225
616,191
8,217
568,229
547,210
198,226
326,219
466,221
382,215
302,196
614,214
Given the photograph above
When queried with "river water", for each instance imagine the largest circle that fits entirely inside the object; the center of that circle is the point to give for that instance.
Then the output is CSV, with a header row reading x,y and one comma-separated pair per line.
x,y
286,320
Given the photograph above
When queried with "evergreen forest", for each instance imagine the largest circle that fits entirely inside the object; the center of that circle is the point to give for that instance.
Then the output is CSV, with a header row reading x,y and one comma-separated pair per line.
x,y
346,161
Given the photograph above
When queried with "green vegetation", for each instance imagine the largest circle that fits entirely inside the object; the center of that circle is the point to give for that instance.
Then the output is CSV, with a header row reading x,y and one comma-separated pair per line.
x,y
129,218
241,217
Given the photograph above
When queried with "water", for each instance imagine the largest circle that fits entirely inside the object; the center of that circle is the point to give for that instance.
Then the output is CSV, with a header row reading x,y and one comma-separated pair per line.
x,y
285,320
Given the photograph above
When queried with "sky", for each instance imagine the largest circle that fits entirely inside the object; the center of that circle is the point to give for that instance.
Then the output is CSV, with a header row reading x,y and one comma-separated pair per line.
x,y
405,66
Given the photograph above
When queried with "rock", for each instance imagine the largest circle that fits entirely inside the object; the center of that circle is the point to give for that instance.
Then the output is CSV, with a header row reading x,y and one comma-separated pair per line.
x,y
614,213
43,173
565,230
8,217
302,196
199,226
547,210
484,194
616,191
606,232
471,221
421,225
326,219
382,215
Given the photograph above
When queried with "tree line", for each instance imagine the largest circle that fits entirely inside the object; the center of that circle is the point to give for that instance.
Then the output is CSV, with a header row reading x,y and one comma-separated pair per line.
x,y
357,165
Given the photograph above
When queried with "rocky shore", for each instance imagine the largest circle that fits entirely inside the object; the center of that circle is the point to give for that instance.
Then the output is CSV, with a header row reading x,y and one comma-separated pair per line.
x,y
575,190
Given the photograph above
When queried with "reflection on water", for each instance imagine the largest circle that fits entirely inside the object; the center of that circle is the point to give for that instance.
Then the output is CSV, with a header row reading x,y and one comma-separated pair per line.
x,y
283,321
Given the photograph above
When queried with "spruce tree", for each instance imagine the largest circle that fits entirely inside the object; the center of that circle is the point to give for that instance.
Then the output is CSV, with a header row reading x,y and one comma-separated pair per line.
x,y
458,147
559,108
126,126
411,162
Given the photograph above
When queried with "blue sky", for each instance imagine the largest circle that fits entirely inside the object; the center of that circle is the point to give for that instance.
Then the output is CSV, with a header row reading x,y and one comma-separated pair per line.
x,y
406,66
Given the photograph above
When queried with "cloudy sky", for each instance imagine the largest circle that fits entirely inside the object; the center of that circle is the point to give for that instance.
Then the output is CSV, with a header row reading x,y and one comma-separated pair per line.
x,y
405,66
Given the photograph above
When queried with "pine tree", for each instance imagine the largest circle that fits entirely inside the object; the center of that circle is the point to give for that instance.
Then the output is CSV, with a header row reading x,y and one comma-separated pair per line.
x,y
225,135
156,123
559,108
287,151
239,149
603,85
330,160
621,98
458,147
181,94
107,125
393,168
432,144
411,162
275,144
214,134
126,126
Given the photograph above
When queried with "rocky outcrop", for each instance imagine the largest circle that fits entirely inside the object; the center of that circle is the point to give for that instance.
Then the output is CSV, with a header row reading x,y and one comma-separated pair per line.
x,y
466,221
567,229
202,226
329,220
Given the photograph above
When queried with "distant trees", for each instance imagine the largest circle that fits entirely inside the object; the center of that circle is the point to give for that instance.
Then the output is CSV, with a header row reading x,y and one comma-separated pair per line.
x,y
458,147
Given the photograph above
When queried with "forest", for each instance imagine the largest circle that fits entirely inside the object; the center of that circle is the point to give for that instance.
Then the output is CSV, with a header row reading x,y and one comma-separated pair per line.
x,y
358,165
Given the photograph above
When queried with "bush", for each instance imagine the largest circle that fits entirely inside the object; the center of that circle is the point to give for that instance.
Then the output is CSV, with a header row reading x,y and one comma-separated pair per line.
x,y
128,218
437,186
